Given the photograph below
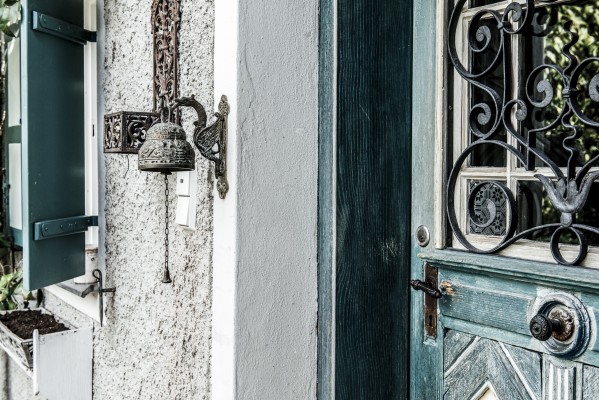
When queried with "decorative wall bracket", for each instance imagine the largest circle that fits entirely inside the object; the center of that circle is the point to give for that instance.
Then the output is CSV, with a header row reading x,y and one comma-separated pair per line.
x,y
124,132
211,140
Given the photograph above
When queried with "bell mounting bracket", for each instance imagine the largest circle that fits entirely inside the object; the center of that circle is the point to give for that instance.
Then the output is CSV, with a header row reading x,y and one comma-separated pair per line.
x,y
211,140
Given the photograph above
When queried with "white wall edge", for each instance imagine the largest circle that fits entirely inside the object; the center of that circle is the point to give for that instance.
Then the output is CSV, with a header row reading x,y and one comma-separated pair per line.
x,y
88,305
224,265
264,308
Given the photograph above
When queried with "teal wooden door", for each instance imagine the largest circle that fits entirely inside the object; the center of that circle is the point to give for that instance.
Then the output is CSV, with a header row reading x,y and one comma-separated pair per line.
x,y
505,200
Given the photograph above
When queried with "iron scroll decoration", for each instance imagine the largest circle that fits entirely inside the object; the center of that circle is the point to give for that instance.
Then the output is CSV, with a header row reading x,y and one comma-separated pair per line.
x,y
567,190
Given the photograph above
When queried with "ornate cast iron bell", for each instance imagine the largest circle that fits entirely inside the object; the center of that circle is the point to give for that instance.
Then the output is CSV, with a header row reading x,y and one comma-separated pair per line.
x,y
166,149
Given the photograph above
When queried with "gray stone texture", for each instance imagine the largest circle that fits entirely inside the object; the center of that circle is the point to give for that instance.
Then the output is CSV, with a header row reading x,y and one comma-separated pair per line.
x,y
156,340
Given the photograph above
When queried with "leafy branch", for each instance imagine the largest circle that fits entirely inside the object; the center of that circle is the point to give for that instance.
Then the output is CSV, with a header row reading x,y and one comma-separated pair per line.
x,y
10,17
11,286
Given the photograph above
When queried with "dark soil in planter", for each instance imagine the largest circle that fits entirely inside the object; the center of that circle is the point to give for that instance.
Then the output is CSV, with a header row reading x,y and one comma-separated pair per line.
x,y
23,323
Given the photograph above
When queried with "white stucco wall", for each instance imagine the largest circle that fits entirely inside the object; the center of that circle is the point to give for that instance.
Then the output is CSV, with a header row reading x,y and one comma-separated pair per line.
x,y
156,344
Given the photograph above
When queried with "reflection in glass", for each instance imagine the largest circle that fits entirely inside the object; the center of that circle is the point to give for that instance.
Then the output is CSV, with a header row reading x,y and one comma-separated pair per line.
x,y
13,61
487,155
546,47
535,209
480,3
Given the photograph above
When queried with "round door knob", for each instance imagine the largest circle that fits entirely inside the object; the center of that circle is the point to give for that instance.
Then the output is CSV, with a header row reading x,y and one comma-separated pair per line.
x,y
542,327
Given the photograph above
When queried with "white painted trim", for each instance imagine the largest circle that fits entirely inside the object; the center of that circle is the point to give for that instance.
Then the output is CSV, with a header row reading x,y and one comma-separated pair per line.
x,y
224,270
265,277
88,305
62,364
92,133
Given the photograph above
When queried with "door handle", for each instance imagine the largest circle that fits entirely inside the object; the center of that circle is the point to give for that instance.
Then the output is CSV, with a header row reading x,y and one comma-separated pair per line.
x,y
427,287
542,327
559,324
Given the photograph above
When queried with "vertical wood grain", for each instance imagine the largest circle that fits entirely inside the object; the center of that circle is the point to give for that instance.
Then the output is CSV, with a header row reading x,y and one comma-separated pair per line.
x,y
326,197
373,199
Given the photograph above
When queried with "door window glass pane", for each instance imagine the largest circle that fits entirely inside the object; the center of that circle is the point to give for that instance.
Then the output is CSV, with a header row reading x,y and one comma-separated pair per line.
x,y
546,47
482,106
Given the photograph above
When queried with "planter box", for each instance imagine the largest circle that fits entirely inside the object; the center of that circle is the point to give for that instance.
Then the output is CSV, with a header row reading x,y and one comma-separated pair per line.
x,y
59,364
21,350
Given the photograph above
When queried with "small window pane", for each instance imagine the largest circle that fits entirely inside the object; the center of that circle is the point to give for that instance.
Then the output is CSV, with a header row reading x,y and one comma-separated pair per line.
x,y
14,82
481,122
481,3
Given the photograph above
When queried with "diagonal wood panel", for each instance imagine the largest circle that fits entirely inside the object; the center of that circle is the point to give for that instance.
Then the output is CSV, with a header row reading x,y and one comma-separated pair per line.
x,y
471,363
590,383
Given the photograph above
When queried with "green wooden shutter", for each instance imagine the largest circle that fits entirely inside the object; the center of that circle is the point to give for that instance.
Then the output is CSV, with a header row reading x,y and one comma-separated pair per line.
x,y
53,158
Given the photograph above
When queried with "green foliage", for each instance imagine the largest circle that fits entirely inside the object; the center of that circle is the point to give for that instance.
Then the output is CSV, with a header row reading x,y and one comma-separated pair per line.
x,y
10,17
584,23
11,286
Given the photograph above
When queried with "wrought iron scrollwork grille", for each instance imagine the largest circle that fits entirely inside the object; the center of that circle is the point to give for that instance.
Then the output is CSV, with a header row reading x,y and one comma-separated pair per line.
x,y
503,117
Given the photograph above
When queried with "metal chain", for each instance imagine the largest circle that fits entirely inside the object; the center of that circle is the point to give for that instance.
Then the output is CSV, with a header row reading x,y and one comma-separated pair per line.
x,y
166,278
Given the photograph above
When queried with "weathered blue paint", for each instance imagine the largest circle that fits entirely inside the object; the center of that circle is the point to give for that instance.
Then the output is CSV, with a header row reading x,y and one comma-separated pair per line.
x,y
425,354
473,365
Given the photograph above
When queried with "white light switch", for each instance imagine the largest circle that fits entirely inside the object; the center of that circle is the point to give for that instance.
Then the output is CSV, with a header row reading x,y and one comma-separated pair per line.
x,y
184,183
182,215
186,199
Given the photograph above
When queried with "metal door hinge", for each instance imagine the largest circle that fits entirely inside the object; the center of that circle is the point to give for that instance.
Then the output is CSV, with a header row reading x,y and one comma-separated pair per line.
x,y
62,227
62,29
430,287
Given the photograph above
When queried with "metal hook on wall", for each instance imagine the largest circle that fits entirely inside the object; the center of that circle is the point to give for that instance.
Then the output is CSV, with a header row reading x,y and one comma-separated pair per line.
x,y
101,290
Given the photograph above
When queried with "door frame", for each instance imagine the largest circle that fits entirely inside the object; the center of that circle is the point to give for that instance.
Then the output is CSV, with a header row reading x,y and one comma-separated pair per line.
x,y
365,94
426,354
